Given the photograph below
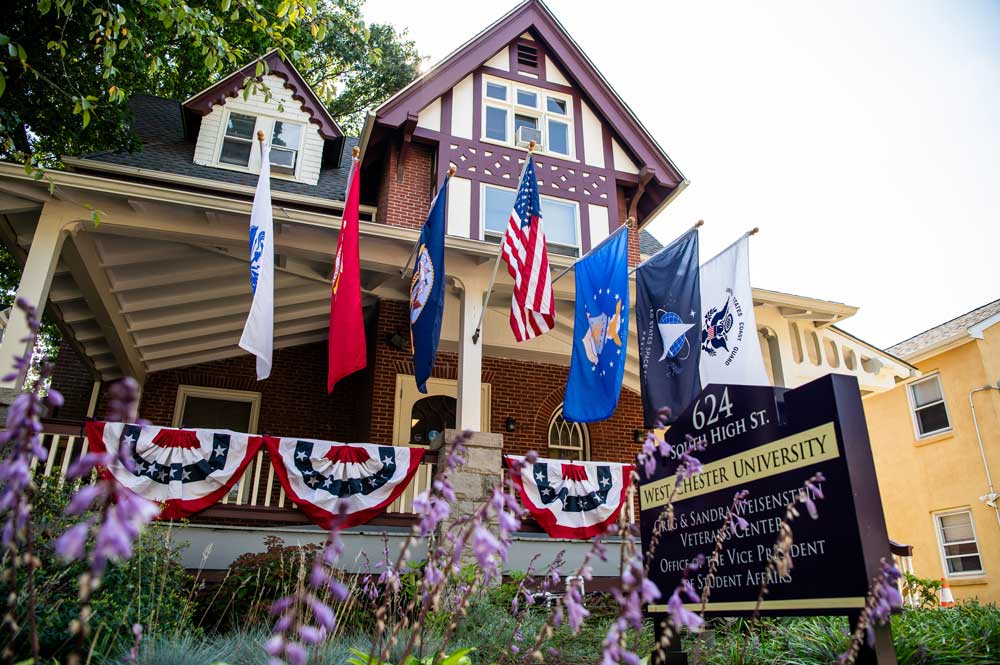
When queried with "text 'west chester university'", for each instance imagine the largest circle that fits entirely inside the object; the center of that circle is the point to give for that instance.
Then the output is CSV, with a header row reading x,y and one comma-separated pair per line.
x,y
812,446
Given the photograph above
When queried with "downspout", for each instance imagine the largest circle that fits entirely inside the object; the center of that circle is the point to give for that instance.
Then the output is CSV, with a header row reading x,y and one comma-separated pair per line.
x,y
992,495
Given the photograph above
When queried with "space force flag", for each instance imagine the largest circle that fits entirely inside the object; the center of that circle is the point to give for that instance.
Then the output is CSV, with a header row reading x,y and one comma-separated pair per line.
x,y
572,499
258,332
600,332
185,470
730,351
427,290
326,479
668,302
346,349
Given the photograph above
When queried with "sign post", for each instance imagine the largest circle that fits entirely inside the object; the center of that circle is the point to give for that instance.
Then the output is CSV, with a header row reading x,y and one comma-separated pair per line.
x,y
769,441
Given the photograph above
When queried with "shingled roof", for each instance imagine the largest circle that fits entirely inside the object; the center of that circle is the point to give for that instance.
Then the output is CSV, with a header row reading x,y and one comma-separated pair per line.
x,y
944,333
159,124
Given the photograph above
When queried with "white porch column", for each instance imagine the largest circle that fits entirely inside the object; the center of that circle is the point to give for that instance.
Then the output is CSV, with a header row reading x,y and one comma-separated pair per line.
x,y
43,256
470,356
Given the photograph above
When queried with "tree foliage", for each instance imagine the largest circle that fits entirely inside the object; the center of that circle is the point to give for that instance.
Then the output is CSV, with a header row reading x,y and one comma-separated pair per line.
x,y
68,67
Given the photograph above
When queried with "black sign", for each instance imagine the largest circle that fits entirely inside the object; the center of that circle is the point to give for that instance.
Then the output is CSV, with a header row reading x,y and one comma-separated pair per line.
x,y
769,441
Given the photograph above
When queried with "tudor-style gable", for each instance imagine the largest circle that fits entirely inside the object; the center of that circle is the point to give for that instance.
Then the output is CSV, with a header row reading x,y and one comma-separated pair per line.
x,y
300,130
524,79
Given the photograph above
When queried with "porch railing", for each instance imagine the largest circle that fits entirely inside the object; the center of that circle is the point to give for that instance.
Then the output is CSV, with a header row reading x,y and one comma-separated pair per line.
x,y
258,488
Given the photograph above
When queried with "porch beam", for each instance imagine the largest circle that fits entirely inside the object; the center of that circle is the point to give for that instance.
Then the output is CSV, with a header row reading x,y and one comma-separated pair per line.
x,y
150,319
84,262
232,352
227,339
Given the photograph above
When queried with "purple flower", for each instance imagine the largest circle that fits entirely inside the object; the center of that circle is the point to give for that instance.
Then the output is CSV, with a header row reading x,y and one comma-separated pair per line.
x,y
575,611
681,617
70,545
486,548
84,498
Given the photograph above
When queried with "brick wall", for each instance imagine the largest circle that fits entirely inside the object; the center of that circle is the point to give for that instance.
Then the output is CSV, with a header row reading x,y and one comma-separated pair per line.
x,y
633,237
610,440
73,378
406,202
294,401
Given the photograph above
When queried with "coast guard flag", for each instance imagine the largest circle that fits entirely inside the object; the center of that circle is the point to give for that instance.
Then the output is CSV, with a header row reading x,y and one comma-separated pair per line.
x,y
322,477
258,332
186,470
730,351
427,291
600,332
572,499
346,350
668,302
532,309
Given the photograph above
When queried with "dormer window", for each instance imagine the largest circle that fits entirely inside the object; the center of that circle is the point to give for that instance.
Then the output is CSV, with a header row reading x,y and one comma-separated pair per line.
x,y
240,138
516,114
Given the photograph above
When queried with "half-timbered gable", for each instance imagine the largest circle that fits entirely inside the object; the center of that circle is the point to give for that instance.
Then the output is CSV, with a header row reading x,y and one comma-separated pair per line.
x,y
524,80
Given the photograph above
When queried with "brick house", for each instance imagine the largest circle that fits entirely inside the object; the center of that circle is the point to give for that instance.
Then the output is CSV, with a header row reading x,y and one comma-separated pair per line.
x,y
159,289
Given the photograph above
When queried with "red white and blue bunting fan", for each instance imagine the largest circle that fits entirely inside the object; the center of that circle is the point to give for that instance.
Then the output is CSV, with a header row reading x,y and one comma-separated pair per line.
x,y
323,477
572,499
186,470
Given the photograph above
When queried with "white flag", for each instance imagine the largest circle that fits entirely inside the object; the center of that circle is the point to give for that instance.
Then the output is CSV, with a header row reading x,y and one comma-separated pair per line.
x,y
258,333
730,350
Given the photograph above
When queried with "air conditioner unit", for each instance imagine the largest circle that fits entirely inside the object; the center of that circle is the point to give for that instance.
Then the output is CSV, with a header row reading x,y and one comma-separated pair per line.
x,y
525,135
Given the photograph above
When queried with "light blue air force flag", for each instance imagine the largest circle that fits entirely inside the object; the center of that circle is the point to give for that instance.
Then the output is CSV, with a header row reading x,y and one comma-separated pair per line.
x,y
668,312
258,333
600,332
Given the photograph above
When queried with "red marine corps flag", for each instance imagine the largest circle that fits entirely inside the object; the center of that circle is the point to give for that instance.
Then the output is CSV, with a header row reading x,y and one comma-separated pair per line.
x,y
324,478
572,499
186,470
346,349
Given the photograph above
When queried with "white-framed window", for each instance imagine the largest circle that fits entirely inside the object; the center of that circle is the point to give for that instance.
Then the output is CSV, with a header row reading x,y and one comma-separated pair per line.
x,y
514,113
959,547
239,139
215,408
570,441
930,413
560,219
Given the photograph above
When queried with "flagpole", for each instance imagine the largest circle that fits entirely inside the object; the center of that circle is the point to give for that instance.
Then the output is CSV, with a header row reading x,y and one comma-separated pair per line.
x,y
413,252
627,224
496,264
698,225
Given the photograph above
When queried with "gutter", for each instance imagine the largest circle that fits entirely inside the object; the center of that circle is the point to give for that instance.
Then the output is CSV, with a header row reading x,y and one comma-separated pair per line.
x,y
366,134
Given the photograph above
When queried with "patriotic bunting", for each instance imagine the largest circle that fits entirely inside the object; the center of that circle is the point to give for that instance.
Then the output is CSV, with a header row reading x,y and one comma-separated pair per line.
x,y
186,470
572,499
320,477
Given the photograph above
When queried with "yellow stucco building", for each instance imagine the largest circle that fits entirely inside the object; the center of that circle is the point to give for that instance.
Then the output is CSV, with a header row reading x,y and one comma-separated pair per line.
x,y
936,441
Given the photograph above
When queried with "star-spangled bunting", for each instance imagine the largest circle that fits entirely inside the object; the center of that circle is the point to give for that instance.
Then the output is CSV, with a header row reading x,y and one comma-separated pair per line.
x,y
186,470
325,478
572,499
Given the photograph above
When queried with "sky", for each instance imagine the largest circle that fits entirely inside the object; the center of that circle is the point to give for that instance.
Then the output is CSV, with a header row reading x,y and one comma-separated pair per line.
x,y
863,138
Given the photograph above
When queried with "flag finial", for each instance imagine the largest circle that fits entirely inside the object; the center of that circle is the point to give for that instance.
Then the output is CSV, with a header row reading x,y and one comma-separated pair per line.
x,y
451,170
355,151
754,231
701,223
531,147
260,135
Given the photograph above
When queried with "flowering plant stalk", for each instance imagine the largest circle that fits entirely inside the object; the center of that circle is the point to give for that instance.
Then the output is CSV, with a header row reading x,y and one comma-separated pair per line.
x,y
22,437
883,599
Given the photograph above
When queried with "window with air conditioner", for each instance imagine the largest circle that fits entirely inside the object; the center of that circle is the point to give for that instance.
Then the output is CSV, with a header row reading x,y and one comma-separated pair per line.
x,y
560,219
959,546
516,114
238,147
930,412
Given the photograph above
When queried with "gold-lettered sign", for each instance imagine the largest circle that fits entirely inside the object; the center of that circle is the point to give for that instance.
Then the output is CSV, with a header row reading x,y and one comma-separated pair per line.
x,y
812,446
844,603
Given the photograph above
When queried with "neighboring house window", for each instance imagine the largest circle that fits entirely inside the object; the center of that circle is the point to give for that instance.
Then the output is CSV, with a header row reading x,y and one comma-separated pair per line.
x,y
240,138
568,440
930,413
561,219
516,114
959,548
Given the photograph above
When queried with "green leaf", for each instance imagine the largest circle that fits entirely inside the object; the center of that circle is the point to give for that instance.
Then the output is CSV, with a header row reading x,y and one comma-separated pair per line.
x,y
4,39
283,7
12,50
259,69
95,217
86,118
3,84
44,6
224,5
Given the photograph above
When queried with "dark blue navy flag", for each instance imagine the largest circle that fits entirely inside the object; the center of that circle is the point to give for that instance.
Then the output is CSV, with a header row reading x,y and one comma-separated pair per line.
x,y
668,310
427,291
600,332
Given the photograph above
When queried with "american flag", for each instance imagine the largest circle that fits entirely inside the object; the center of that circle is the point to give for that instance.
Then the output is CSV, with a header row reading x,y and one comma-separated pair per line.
x,y
532,310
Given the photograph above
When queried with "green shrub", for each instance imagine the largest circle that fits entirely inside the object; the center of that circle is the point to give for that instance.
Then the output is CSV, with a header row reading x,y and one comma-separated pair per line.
x,y
925,591
152,588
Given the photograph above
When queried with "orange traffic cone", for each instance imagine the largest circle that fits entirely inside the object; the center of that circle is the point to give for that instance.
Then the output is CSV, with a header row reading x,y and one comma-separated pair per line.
x,y
947,600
